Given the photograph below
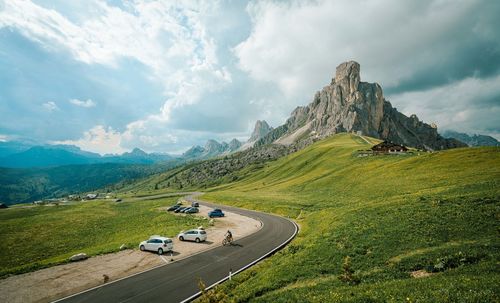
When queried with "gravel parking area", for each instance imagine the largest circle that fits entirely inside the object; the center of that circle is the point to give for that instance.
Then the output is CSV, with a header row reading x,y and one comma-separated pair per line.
x,y
59,281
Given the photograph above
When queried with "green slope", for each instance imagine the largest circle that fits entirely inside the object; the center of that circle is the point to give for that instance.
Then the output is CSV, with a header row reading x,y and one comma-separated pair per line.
x,y
21,185
40,236
386,216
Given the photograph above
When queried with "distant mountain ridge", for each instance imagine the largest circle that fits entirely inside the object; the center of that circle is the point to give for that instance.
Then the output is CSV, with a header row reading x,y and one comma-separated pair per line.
x,y
56,155
349,105
12,147
474,140
24,155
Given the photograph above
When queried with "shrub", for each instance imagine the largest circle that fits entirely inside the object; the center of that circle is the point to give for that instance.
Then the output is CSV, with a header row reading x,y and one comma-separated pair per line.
x,y
453,261
348,275
214,295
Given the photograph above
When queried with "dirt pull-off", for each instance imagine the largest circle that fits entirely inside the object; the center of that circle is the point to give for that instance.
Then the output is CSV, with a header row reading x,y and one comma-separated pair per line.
x,y
60,281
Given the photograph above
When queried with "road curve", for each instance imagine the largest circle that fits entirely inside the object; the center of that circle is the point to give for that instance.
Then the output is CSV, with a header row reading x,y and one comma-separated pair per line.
x,y
178,281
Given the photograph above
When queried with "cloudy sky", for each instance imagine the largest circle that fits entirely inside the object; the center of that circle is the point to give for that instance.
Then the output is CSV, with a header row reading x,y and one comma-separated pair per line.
x,y
165,75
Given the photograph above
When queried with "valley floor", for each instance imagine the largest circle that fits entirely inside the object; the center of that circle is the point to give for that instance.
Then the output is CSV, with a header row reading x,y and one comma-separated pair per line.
x,y
59,281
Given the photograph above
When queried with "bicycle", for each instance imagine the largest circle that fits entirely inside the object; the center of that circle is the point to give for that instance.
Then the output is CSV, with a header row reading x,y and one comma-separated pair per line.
x,y
227,241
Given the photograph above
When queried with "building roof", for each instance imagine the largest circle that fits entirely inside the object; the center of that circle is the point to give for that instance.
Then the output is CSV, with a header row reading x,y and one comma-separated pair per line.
x,y
389,146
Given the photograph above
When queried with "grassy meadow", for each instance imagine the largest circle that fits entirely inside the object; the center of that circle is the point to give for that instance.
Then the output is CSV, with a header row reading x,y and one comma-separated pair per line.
x,y
41,236
368,223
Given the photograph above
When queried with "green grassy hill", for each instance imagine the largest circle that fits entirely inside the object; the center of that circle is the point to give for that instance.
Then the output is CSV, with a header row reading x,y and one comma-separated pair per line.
x,y
368,223
22,185
41,236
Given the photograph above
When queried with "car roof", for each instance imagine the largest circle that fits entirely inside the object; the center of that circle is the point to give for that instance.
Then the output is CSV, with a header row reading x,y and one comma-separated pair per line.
x,y
159,237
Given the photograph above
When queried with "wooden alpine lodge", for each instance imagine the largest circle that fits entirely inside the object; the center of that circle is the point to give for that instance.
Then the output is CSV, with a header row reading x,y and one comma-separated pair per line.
x,y
384,148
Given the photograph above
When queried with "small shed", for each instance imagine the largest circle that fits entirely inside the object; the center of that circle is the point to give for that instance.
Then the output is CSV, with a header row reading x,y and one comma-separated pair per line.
x,y
387,147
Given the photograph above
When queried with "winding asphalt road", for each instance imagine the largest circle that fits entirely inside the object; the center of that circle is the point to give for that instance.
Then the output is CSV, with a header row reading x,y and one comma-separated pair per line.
x,y
178,281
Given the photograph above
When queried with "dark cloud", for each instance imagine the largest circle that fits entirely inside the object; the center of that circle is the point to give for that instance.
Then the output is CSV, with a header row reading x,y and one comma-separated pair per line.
x,y
470,49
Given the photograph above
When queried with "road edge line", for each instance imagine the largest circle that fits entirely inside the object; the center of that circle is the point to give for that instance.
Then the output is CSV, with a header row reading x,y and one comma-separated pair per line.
x,y
196,295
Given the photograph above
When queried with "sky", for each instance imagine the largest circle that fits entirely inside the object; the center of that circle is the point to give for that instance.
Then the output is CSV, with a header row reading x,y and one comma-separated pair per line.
x,y
163,76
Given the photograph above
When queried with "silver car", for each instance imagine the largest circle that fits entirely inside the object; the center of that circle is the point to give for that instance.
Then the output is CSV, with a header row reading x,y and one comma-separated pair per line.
x,y
157,243
197,235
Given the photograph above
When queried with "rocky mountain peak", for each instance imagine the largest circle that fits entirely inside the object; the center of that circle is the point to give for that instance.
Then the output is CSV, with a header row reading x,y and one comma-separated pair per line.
x,y
138,152
349,105
212,146
234,145
260,130
347,76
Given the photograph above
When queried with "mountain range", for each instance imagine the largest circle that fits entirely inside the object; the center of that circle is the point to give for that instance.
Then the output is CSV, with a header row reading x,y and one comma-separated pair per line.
x,y
472,140
18,154
24,156
214,149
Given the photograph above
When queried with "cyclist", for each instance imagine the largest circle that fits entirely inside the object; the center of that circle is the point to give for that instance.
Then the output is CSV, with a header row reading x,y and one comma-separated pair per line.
x,y
229,236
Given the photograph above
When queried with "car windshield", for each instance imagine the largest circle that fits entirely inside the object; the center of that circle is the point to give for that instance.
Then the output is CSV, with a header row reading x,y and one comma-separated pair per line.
x,y
202,232
168,241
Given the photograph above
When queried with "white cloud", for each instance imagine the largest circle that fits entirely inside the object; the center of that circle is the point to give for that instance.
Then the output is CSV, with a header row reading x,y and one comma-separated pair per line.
x,y
99,139
168,37
88,103
466,105
50,106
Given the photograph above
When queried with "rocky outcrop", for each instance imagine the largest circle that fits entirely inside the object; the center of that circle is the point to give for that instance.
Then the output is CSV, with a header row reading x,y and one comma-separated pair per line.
x,y
349,105
234,145
214,148
261,129
193,152
223,169
78,257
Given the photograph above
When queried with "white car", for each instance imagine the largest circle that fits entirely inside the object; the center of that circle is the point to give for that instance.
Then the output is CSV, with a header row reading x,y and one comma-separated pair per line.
x,y
157,243
197,235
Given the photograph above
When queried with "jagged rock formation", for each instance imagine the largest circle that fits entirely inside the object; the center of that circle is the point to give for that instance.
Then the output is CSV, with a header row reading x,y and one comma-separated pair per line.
x,y
474,140
193,152
212,149
261,129
349,105
234,145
